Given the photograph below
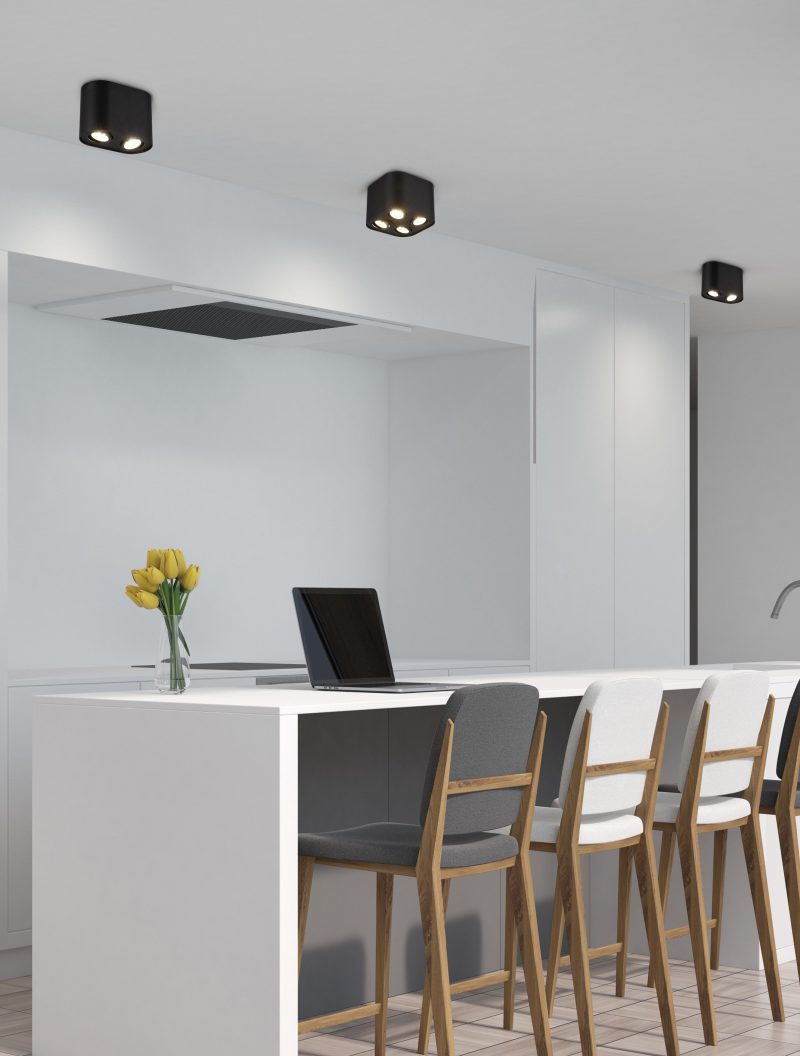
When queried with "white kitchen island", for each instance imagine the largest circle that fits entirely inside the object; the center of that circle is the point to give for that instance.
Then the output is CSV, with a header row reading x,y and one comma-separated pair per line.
x,y
165,859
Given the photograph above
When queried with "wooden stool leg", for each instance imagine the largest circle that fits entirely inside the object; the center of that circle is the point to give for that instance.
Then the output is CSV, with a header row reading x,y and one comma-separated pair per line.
x,y
425,1019
623,915
556,945
689,852
383,936
790,854
510,958
571,884
433,932
305,874
718,890
520,891
664,877
650,893
757,876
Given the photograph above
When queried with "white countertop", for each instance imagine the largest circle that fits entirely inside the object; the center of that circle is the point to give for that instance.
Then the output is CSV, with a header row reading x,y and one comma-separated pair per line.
x,y
67,676
300,699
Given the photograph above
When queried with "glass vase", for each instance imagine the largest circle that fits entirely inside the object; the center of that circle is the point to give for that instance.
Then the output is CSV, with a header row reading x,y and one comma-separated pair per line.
x,y
172,663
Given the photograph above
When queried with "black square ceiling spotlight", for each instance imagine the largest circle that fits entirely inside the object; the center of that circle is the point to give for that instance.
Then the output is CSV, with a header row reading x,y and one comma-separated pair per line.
x,y
229,320
722,282
116,117
401,204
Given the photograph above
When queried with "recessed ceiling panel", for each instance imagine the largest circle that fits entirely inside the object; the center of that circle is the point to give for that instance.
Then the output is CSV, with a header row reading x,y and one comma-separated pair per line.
x,y
226,319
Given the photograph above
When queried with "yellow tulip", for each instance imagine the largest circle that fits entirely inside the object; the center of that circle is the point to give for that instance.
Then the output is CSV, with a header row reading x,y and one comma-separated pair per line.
x,y
143,598
154,559
169,564
181,561
190,578
133,594
148,578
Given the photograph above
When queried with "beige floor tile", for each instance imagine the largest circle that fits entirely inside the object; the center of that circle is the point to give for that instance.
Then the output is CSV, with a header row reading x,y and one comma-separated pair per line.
x,y
727,1022
331,1045
12,988
747,1046
20,1001
651,1044
16,1045
14,1023
743,986
604,1034
786,1032
25,981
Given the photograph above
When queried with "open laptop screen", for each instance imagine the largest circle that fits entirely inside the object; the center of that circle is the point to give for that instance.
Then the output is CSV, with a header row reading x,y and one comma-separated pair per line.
x,y
343,635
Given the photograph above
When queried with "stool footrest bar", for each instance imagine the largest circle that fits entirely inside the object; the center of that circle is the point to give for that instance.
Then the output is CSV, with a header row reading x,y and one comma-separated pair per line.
x,y
477,982
336,1019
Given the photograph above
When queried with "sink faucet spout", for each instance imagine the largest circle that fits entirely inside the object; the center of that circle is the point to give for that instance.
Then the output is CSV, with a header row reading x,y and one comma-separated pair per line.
x,y
784,594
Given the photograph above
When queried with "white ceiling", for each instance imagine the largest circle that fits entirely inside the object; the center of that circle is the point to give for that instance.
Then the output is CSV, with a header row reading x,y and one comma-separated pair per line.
x,y
629,136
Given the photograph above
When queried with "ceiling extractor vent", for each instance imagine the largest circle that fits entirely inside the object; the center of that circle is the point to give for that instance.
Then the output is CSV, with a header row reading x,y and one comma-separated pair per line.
x,y
229,320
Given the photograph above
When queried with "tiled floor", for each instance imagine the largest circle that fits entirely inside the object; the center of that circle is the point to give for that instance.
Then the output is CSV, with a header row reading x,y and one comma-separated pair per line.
x,y
628,1025
15,1017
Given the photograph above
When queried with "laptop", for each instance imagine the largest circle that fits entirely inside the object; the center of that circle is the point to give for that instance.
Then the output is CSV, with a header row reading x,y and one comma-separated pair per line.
x,y
345,642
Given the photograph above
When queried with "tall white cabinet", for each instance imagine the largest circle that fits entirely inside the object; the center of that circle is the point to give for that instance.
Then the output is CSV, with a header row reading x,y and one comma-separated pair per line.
x,y
610,481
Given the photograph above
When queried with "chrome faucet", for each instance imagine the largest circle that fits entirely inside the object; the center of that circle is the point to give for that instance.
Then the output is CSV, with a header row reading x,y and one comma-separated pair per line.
x,y
784,594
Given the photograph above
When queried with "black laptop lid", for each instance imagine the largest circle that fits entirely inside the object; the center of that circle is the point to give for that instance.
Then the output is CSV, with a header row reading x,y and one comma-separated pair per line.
x,y
343,636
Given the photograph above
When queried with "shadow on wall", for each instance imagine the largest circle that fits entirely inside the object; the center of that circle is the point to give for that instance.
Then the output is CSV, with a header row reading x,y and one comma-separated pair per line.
x,y
338,971
464,948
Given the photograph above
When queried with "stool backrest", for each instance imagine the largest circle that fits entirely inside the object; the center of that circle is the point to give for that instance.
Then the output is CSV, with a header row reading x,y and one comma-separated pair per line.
x,y
737,701
624,715
493,730
788,729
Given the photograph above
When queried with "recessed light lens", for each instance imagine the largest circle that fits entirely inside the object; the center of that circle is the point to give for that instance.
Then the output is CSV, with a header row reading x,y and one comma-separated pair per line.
x,y
402,230
381,224
132,143
731,297
397,214
418,220
99,136
713,293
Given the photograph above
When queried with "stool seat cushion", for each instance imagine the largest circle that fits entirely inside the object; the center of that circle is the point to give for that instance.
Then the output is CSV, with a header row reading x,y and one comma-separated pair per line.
x,y
595,828
394,843
711,810
769,793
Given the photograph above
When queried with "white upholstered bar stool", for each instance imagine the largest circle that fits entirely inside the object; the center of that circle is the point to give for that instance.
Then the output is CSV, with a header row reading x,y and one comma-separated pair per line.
x,y
719,788
606,801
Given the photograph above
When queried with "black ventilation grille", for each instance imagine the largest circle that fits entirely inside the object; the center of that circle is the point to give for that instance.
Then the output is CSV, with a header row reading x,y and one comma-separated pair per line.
x,y
236,322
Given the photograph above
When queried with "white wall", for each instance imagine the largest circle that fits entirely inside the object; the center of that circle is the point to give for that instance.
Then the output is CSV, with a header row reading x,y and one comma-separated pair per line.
x,y
459,505
269,467
748,494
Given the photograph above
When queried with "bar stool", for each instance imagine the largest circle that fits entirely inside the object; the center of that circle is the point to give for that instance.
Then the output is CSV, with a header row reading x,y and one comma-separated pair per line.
x,y
606,802
724,751
781,797
483,775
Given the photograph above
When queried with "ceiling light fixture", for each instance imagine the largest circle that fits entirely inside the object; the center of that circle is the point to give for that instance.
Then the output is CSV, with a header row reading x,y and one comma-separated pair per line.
x,y
116,117
722,282
396,195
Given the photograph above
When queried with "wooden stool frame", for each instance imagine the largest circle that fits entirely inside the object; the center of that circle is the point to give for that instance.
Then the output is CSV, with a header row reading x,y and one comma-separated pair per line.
x,y
686,831
433,884
568,905
786,814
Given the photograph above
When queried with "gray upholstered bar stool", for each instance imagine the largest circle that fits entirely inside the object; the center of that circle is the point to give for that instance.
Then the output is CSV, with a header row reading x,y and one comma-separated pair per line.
x,y
483,775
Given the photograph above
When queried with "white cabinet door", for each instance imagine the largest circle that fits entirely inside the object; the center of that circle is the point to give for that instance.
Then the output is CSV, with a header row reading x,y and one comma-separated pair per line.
x,y
573,575
651,400
610,579
18,806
